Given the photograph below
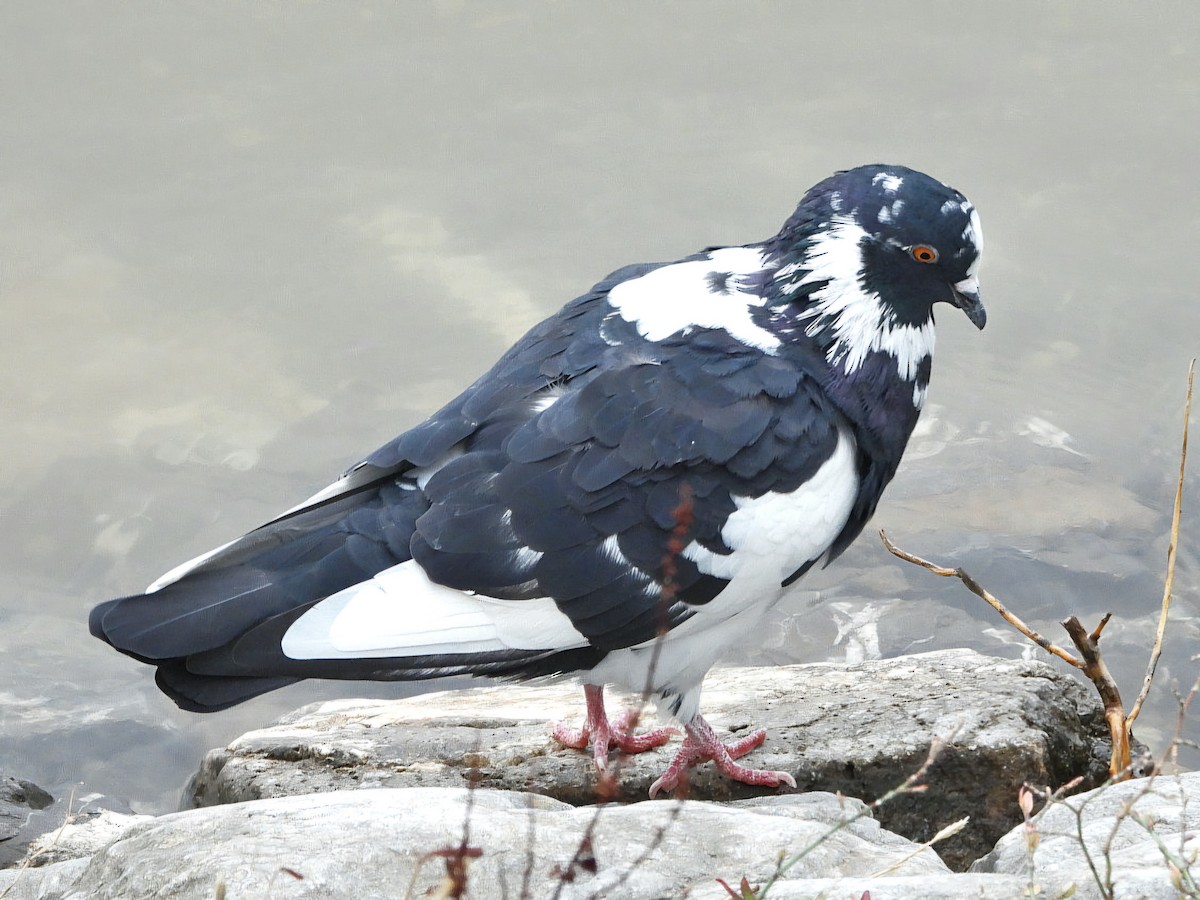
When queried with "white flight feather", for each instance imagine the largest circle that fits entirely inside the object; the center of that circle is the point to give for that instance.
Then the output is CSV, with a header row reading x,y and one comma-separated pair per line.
x,y
183,568
420,475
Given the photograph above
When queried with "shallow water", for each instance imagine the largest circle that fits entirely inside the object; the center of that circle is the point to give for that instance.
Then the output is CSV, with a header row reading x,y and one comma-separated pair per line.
x,y
241,248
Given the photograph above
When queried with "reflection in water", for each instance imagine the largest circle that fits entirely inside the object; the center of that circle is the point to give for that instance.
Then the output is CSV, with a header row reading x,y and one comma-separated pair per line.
x,y
238,254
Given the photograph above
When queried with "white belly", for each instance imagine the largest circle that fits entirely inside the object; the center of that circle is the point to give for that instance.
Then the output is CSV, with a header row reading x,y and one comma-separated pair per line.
x,y
771,537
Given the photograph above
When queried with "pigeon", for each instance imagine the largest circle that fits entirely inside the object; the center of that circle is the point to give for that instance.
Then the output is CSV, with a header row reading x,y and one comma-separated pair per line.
x,y
623,496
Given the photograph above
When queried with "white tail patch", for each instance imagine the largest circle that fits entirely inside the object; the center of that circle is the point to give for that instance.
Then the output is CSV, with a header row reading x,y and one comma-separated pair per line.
x,y
400,612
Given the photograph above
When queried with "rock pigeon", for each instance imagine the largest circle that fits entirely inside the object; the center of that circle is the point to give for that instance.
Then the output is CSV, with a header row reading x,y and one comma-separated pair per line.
x,y
624,495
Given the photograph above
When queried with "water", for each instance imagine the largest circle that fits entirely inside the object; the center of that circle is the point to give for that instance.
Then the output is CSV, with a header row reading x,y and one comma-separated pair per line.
x,y
243,246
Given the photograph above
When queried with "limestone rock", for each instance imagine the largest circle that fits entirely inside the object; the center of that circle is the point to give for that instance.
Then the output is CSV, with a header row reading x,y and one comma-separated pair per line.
x,y
859,729
51,883
397,842
375,843
82,836
886,887
1139,828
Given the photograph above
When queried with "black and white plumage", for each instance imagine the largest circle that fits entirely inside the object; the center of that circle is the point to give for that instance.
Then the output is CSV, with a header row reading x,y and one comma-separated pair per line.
x,y
522,530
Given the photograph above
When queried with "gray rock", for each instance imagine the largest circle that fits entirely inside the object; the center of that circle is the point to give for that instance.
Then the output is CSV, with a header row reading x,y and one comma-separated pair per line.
x,y
856,729
50,883
375,843
1131,832
885,887
19,800
81,836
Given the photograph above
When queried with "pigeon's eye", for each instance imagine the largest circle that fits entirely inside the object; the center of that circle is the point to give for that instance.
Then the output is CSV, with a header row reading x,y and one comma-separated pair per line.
x,y
923,253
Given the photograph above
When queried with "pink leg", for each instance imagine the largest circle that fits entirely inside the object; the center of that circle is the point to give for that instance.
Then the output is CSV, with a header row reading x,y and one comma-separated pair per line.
x,y
604,735
702,745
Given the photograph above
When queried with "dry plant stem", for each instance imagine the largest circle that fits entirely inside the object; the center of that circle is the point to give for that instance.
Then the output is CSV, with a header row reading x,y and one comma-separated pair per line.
x,y
976,588
1171,753
948,832
613,890
682,514
1119,764
1089,660
530,859
454,885
1169,581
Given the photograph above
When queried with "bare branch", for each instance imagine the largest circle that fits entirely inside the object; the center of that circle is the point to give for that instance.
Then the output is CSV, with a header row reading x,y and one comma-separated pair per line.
x,y
1119,766
1089,660
1170,579
978,590
1171,753
1094,637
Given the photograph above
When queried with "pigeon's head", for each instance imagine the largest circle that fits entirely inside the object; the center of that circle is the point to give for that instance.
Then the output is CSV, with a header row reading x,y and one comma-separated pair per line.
x,y
863,260
913,241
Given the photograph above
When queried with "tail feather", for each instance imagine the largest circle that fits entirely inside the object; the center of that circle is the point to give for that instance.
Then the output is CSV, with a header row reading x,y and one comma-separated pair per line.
x,y
283,566
210,693
216,628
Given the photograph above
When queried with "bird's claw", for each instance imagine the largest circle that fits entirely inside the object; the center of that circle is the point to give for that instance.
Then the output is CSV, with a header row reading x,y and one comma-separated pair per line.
x,y
703,745
603,735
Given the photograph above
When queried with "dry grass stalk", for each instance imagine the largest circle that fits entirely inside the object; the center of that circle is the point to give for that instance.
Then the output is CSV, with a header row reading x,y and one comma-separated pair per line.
x,y
607,787
1169,581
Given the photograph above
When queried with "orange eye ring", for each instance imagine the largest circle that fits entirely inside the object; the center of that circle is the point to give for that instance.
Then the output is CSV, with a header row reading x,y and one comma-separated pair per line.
x,y
923,253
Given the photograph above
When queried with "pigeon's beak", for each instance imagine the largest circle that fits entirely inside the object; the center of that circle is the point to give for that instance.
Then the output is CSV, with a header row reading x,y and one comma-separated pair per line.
x,y
966,298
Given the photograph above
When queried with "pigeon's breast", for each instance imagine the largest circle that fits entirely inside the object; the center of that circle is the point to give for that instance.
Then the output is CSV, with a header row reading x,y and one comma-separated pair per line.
x,y
772,536
775,534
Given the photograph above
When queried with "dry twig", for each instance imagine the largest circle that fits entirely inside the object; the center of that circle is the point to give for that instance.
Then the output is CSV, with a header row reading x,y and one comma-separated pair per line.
x,y
584,858
980,591
913,784
1089,660
1120,764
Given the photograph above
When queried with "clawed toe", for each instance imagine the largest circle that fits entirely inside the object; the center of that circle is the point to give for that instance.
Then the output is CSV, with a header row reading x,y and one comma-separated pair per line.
x,y
700,745
603,735
703,745
575,738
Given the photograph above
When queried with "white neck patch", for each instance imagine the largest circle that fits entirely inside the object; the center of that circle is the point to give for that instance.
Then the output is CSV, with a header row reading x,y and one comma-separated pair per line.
x,y
858,318
680,297
973,234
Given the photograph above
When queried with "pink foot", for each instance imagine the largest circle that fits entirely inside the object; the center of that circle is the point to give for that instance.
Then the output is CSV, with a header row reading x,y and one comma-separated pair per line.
x,y
702,745
604,735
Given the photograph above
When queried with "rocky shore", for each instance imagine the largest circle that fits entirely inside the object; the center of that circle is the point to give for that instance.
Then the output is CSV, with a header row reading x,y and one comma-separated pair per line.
x,y
387,798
